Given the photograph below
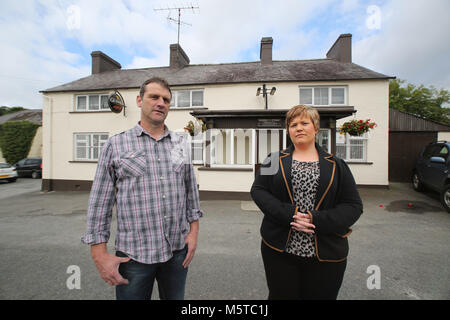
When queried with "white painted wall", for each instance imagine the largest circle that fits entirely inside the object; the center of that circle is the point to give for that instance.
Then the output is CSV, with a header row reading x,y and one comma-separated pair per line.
x,y
60,123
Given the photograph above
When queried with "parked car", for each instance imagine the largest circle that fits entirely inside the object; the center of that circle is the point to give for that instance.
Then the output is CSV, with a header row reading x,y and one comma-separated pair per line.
x,y
7,172
29,167
432,171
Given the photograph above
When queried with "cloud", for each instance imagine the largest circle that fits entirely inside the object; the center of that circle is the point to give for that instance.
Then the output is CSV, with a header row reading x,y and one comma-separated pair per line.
x,y
47,42
33,57
411,44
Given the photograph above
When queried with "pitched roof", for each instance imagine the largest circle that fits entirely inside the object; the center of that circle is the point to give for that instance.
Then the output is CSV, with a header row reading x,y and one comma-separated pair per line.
x,y
403,121
205,74
34,116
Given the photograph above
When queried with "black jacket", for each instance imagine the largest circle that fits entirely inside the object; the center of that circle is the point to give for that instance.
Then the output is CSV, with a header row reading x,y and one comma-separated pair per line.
x,y
337,205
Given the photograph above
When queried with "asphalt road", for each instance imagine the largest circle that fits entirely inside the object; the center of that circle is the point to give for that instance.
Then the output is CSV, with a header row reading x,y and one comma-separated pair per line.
x,y
21,186
399,248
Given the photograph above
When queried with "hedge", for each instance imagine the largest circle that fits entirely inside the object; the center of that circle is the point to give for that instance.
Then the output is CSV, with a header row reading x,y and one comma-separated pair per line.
x,y
16,138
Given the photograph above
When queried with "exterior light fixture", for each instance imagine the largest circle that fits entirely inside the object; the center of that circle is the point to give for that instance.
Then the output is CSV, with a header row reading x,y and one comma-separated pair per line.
x,y
265,92
272,91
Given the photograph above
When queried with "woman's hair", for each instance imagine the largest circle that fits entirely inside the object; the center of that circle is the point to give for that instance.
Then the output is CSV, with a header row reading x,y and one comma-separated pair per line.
x,y
302,111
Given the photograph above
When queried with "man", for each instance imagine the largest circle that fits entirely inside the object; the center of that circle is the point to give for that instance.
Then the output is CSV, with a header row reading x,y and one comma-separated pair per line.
x,y
146,172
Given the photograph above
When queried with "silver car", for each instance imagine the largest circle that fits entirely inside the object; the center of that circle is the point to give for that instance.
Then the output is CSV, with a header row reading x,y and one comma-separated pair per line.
x,y
7,172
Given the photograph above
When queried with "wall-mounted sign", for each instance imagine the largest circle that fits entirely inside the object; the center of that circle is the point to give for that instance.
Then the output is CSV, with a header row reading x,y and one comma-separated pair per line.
x,y
116,103
270,123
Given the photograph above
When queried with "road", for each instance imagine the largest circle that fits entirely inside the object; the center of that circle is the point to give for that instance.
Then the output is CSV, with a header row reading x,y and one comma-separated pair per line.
x,y
21,186
398,249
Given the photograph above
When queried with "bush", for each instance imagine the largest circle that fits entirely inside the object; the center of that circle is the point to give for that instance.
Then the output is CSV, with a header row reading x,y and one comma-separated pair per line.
x,y
16,138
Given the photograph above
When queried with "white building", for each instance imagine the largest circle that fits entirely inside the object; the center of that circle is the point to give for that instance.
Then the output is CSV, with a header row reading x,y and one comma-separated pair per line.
x,y
77,120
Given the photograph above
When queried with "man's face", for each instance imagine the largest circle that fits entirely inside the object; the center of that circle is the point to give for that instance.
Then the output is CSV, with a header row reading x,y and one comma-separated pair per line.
x,y
154,104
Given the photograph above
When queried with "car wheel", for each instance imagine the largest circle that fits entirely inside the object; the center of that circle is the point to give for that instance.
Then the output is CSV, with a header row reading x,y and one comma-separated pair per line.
x,y
35,174
12,180
445,197
417,184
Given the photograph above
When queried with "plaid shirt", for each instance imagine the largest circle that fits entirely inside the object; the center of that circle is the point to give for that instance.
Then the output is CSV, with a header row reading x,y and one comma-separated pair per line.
x,y
153,185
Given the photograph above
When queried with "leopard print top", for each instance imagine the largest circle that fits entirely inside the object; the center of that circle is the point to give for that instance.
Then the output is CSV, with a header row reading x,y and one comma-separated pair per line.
x,y
305,181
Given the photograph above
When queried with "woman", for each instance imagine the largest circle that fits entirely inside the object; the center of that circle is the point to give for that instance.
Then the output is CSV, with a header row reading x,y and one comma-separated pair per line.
x,y
309,200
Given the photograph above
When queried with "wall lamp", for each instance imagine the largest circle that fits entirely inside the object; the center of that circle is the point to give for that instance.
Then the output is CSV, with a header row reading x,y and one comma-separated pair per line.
x,y
265,92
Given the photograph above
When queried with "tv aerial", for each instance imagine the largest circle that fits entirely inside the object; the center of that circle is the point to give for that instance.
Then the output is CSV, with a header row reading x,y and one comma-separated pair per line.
x,y
178,20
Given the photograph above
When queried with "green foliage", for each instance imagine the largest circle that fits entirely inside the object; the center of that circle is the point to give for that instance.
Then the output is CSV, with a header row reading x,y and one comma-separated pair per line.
x,y
421,101
6,110
16,138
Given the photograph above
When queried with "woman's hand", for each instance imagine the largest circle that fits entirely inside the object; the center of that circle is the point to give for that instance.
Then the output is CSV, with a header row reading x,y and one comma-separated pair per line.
x,y
302,222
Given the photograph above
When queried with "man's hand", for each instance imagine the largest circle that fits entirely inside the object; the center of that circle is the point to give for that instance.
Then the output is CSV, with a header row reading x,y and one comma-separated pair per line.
x,y
191,241
108,265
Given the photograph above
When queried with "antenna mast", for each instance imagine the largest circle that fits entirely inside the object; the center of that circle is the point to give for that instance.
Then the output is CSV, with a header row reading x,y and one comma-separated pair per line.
x,y
178,20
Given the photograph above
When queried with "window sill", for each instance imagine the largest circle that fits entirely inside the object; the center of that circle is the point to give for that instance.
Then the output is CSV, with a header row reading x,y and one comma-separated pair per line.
x,y
98,111
83,161
357,162
189,108
224,169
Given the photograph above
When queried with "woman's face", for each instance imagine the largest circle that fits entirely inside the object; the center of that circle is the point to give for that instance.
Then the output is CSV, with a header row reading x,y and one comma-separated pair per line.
x,y
302,131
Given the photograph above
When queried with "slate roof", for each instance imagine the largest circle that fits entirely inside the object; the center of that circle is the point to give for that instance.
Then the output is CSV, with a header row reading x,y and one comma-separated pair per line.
x,y
34,116
228,73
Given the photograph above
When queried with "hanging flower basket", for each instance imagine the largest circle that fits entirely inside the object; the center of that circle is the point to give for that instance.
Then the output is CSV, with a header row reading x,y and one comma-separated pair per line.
x,y
356,127
195,127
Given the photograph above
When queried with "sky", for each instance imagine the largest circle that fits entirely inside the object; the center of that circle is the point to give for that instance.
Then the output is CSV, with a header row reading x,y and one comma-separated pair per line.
x,y
46,43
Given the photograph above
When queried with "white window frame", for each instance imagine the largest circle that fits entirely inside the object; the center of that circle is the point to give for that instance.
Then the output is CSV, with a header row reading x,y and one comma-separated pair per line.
x,y
174,102
330,91
348,146
199,140
230,155
88,97
90,147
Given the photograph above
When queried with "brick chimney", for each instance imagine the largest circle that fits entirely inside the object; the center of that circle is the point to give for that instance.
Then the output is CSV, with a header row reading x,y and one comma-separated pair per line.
x,y
265,53
178,58
101,62
341,50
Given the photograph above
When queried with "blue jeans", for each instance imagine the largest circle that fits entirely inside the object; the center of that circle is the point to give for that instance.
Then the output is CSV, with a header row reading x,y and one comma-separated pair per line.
x,y
170,275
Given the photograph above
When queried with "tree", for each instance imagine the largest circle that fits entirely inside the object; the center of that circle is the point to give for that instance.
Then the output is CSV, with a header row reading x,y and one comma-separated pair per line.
x,y
16,138
427,103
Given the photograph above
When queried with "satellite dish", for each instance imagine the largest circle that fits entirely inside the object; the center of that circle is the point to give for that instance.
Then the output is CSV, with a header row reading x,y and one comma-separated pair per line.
x,y
116,103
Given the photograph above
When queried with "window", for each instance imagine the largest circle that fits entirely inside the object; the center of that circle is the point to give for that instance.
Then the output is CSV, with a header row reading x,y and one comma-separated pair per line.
x,y
89,145
337,95
93,102
231,147
187,99
323,96
323,139
269,140
197,148
351,148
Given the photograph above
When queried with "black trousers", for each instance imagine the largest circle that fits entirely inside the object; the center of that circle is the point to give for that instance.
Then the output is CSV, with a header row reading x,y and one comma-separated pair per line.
x,y
290,277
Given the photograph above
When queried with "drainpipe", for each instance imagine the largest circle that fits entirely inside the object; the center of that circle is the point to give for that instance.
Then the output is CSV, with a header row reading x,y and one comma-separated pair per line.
x,y
48,163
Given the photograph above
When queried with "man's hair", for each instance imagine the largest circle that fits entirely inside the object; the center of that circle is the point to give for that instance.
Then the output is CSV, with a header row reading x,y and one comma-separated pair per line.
x,y
302,110
162,82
